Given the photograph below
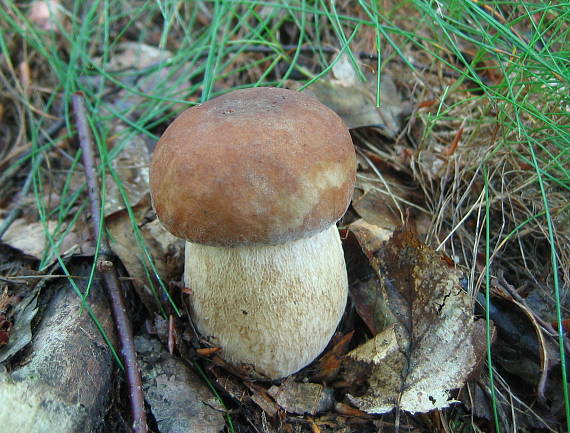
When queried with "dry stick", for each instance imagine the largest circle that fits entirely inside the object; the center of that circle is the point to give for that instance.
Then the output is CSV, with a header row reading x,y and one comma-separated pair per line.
x,y
18,200
109,271
332,50
17,210
293,47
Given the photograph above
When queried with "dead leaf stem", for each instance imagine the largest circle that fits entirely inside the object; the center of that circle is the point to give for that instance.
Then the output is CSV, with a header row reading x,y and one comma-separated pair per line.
x,y
110,277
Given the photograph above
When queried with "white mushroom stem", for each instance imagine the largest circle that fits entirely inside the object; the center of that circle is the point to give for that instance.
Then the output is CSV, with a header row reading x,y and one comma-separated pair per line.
x,y
274,307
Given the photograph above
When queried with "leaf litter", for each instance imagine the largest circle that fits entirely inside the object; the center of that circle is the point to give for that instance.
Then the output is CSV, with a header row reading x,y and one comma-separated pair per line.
x,y
432,344
354,100
30,238
17,330
425,153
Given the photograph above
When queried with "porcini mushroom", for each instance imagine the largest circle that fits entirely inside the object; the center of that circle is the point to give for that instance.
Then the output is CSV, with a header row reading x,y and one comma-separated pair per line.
x,y
255,181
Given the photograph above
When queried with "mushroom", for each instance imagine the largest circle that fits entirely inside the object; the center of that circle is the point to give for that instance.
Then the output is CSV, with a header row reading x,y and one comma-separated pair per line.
x,y
254,181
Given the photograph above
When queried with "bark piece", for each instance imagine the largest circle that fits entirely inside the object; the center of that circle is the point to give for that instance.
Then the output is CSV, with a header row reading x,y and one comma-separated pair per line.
x,y
29,407
179,400
302,398
65,384
21,333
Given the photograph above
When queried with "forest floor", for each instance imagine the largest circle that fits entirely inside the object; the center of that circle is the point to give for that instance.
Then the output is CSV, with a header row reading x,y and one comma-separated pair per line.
x,y
459,113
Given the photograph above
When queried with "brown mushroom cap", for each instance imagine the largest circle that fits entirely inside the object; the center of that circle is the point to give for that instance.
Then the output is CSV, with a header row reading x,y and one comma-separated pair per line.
x,y
254,166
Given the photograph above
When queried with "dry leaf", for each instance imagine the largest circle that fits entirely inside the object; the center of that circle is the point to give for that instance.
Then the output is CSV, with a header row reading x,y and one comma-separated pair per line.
x,y
376,207
345,409
381,201
356,104
30,238
302,398
329,364
138,65
21,330
166,250
523,348
433,342
364,292
132,167
370,236
46,15
145,68
368,305
355,101
385,197
344,72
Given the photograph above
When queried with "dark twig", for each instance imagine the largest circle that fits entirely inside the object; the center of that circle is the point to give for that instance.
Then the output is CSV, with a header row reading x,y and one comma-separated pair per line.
x,y
107,268
18,200
17,210
332,50
264,49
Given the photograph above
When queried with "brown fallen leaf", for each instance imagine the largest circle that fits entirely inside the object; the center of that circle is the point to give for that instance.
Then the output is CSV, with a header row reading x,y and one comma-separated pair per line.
x,y
386,198
329,364
16,326
30,238
365,291
137,66
345,409
5,328
148,70
314,427
524,347
375,206
370,237
355,100
131,165
432,344
46,15
357,106
207,351
302,398
368,305
166,251
477,401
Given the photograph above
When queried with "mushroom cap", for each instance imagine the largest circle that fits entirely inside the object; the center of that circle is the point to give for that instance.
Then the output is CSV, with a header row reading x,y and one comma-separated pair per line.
x,y
253,166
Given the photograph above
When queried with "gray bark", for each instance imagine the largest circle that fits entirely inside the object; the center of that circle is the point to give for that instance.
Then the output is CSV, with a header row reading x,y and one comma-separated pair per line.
x,y
64,385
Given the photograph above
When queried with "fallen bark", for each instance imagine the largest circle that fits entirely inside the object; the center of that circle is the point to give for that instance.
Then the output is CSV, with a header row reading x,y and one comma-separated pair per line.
x,y
65,383
178,399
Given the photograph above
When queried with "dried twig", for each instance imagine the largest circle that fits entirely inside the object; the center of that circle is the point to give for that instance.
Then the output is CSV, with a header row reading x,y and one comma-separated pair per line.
x,y
18,200
17,209
263,49
109,272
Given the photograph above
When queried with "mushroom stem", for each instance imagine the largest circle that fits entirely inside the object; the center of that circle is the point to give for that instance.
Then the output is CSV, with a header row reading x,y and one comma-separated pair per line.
x,y
274,307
